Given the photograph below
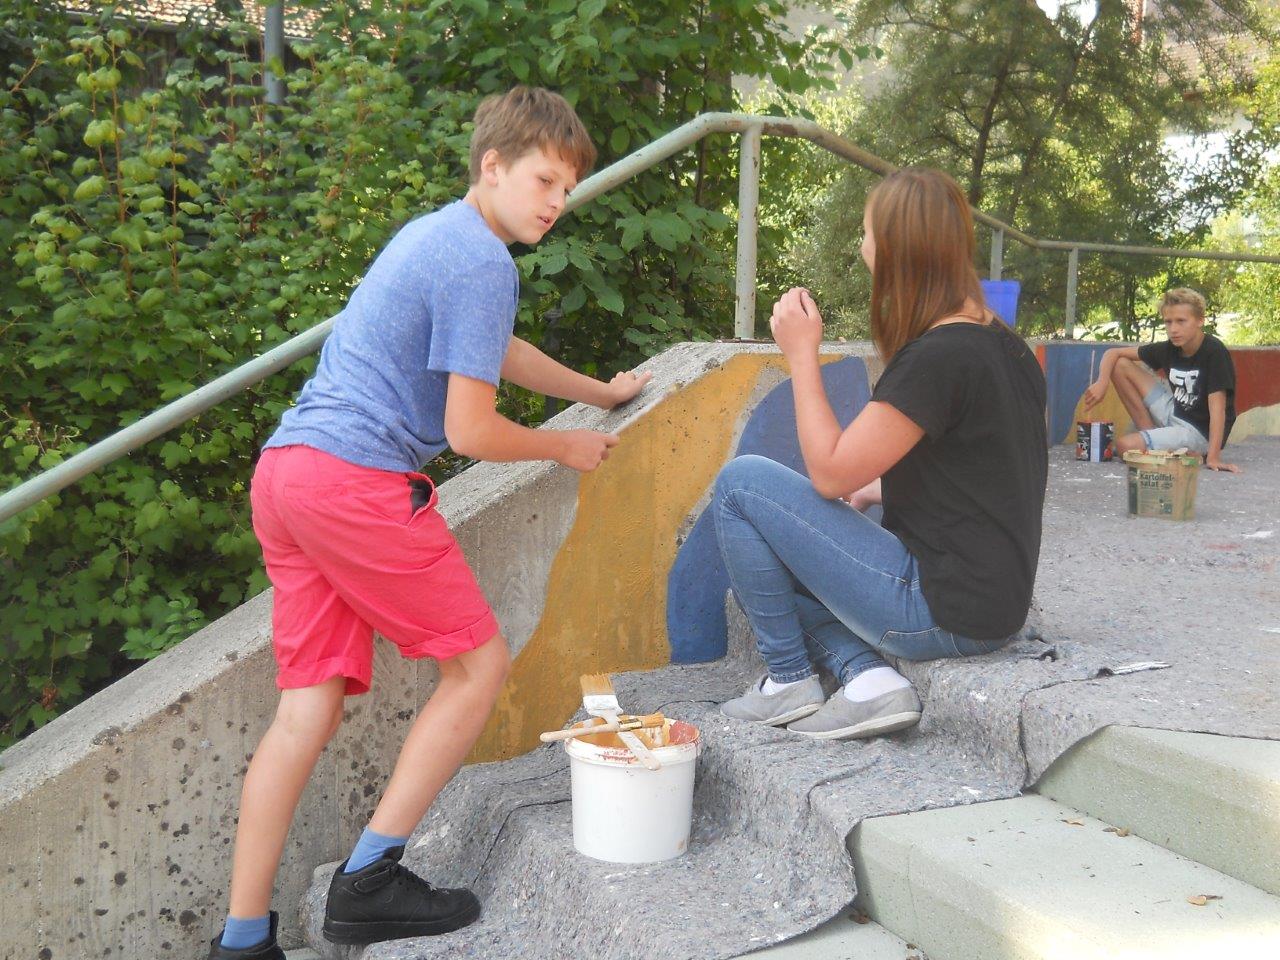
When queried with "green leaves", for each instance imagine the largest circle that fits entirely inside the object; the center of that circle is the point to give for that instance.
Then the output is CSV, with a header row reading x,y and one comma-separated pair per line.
x,y
100,132
90,188
154,234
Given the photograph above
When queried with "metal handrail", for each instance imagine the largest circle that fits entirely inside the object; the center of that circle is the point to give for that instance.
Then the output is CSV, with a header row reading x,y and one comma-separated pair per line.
x,y
751,126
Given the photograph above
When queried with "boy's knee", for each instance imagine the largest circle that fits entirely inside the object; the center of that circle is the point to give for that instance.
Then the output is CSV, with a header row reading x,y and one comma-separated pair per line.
x,y
498,664
486,667
313,722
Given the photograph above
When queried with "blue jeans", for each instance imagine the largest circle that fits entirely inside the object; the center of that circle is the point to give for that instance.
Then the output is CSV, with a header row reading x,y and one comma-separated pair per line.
x,y
819,581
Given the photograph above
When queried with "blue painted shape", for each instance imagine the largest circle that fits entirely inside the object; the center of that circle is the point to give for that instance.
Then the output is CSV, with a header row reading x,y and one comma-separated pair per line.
x,y
697,581
1069,368
1002,298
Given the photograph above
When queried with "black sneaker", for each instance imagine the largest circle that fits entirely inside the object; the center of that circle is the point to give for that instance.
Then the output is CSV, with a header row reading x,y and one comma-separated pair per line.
x,y
268,949
385,901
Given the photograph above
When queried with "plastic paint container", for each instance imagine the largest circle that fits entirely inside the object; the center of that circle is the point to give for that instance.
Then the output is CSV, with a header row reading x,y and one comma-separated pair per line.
x,y
625,813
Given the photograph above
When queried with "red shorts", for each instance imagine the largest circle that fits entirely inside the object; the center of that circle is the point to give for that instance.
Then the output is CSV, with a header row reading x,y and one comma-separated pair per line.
x,y
348,554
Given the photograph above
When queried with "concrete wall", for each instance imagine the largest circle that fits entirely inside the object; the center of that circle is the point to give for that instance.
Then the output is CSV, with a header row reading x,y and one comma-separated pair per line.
x,y
1070,368
117,819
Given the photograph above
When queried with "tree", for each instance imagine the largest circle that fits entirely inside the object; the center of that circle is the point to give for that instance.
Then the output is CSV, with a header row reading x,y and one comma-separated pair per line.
x,y
152,237
1248,291
1056,126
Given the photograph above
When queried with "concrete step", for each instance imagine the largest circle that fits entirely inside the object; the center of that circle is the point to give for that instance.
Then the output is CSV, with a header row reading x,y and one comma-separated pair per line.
x,y
1212,799
542,899
848,935
1033,879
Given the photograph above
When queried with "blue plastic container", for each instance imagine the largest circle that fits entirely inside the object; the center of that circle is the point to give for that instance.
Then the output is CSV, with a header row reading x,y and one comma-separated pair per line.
x,y
1002,298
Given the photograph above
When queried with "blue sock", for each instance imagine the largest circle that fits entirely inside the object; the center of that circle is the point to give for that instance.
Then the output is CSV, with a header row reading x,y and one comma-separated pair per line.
x,y
371,847
241,933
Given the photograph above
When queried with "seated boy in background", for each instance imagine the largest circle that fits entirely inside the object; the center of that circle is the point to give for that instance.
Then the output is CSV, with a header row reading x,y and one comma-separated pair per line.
x,y
1195,407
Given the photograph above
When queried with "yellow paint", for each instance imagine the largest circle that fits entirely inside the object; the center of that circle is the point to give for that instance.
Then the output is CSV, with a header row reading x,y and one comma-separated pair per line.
x,y
606,596
1256,422
1111,408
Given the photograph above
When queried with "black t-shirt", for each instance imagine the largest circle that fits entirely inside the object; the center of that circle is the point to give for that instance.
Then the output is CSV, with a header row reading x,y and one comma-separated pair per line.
x,y
967,499
1193,378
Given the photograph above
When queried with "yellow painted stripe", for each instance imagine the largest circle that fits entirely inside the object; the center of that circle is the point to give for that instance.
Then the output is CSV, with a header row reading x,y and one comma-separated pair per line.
x,y
606,596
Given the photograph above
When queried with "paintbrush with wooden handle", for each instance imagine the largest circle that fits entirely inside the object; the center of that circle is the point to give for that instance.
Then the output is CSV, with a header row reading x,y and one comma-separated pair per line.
x,y
632,723
599,700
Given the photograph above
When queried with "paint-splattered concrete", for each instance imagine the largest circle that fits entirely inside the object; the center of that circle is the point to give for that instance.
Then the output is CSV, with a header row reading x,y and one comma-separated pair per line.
x,y
768,858
116,820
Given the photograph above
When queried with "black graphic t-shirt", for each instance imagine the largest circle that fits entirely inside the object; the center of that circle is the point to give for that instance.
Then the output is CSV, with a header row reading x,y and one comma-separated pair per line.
x,y
1193,378
967,499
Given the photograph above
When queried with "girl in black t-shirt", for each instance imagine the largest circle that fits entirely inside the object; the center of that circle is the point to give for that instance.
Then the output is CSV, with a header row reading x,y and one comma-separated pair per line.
x,y
953,443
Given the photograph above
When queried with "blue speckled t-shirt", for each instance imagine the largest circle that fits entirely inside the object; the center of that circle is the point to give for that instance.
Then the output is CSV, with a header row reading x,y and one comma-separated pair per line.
x,y
439,299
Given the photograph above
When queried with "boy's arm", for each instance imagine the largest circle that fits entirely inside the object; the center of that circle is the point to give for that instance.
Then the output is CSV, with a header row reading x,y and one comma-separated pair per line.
x,y
527,366
1098,389
1217,426
475,429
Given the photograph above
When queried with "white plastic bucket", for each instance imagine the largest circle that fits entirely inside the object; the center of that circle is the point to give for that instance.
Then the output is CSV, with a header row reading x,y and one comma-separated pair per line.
x,y
626,813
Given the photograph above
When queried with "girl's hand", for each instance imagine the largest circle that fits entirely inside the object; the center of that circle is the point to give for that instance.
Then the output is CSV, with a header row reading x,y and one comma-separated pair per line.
x,y
865,497
796,323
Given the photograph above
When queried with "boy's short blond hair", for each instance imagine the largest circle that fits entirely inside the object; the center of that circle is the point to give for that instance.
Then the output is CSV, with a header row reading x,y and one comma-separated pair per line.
x,y
1184,296
528,118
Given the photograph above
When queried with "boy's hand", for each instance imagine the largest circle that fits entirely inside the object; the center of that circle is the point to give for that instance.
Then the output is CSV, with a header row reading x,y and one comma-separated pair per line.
x,y
1093,396
1213,463
584,450
624,386
796,323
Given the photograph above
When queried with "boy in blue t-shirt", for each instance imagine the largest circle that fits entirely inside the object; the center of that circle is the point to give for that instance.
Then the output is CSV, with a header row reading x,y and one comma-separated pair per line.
x,y
350,534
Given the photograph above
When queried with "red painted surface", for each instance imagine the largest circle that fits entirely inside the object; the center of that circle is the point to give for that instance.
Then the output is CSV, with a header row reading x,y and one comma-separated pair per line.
x,y
1257,377
1040,355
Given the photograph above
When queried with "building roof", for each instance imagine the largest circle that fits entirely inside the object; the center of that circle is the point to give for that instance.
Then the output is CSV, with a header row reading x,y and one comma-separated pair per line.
x,y
298,22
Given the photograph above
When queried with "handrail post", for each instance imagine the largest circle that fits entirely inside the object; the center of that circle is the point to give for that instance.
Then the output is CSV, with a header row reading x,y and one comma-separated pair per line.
x,y
1073,271
997,253
744,316
273,49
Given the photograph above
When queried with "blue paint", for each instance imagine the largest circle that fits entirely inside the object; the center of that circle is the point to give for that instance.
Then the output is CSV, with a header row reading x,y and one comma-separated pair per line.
x,y
697,582
1069,368
1002,298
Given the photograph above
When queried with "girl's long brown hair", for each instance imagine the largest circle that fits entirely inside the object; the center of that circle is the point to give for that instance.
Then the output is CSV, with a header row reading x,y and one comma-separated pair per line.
x,y
924,255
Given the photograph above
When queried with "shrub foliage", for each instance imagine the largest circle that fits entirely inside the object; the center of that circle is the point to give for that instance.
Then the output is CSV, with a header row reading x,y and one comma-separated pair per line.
x,y
160,224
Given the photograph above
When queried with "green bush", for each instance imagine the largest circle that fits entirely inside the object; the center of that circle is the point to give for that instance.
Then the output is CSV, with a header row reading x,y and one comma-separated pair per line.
x,y
153,236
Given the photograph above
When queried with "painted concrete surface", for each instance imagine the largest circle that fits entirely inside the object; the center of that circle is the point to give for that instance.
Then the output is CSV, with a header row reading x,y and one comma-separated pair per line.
x,y
1030,878
1212,799
1071,367
698,579
116,819
1109,589
607,603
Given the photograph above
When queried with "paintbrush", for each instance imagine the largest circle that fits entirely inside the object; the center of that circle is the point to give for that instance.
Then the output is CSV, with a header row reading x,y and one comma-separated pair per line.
x,y
632,723
599,700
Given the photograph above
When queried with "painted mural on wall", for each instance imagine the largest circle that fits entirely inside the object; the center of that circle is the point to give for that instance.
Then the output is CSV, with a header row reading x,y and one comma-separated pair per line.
x,y
1069,368
698,580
